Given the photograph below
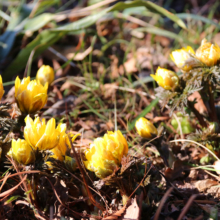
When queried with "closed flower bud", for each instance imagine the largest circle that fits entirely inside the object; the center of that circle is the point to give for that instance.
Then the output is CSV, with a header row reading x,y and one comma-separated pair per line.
x,y
1,88
30,96
208,53
70,163
22,152
40,135
166,78
145,128
185,58
105,154
45,75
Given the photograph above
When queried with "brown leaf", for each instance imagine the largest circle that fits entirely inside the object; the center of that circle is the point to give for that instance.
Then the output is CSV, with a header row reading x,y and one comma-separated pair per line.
x,y
203,185
165,42
108,90
130,65
79,56
69,86
132,212
199,106
116,215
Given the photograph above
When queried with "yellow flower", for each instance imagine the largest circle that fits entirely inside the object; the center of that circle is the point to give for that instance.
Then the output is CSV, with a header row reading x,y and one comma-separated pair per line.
x,y
166,78
22,152
208,53
45,75
105,154
185,58
57,154
40,135
1,88
145,128
30,96
60,150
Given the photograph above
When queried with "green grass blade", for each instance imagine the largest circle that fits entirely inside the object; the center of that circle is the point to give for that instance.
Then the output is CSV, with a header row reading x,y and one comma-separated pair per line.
x,y
198,18
143,113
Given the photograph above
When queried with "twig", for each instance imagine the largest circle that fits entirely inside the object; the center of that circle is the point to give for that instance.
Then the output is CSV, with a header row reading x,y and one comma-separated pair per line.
x,y
186,207
197,114
52,50
84,179
163,200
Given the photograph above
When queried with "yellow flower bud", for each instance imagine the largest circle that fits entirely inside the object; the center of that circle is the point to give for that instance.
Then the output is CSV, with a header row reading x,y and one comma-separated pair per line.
x,y
208,53
1,88
185,58
40,135
60,150
22,152
45,75
166,78
70,163
105,154
30,96
145,128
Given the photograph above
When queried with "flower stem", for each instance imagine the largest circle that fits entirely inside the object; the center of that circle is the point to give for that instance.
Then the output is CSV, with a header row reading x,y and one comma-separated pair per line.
x,y
197,114
212,114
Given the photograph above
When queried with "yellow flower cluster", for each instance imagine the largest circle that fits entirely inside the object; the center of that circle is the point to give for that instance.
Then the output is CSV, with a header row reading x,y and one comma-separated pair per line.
x,y
208,53
60,150
40,135
105,154
186,59
30,96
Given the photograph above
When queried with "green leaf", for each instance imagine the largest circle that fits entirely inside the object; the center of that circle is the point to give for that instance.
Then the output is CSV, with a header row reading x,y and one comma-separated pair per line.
x,y
13,198
152,7
198,18
38,22
48,37
15,25
143,113
165,33
4,16
45,39
45,4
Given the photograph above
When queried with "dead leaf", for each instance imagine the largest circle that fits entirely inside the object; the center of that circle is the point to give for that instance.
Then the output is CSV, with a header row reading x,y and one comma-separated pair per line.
x,y
199,106
203,185
130,65
108,90
79,56
69,86
132,212
165,42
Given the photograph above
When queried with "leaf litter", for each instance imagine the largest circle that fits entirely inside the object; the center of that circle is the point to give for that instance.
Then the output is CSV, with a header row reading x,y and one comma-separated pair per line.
x,y
102,88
